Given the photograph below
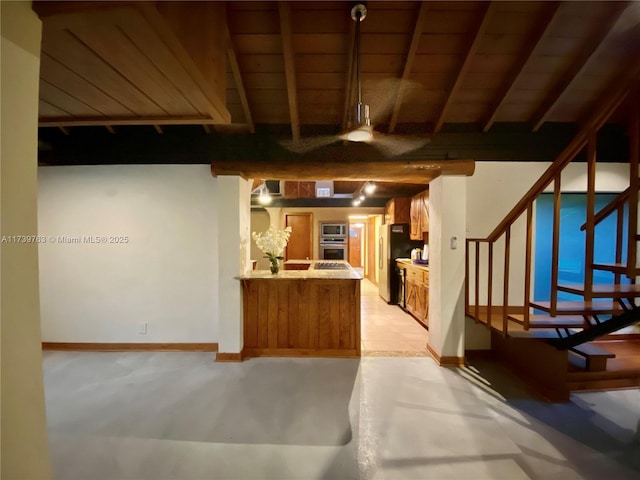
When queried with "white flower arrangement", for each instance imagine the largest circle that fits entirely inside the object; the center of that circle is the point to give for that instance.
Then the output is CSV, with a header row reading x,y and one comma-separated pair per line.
x,y
272,243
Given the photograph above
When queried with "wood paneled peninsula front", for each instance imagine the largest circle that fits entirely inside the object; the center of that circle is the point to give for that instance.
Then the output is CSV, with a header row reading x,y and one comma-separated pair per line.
x,y
303,312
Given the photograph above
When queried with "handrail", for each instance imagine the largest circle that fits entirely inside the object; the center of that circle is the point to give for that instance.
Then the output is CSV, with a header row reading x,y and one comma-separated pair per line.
x,y
584,138
595,121
609,208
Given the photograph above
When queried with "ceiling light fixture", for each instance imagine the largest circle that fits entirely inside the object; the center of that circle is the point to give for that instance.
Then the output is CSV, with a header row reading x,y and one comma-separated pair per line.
x,y
363,131
264,197
369,188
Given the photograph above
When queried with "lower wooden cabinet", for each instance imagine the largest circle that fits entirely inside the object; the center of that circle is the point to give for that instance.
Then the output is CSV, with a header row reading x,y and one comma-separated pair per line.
x,y
417,293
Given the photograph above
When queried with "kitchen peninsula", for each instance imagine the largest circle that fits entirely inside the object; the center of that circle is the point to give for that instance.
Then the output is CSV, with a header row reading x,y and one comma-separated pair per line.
x,y
312,310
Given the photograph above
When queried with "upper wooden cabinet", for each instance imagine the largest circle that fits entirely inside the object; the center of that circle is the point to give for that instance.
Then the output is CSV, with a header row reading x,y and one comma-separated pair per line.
x,y
293,189
419,215
397,210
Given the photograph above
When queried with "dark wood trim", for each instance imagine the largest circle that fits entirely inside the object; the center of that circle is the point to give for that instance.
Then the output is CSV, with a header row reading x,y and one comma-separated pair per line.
x,y
410,171
536,37
230,357
445,361
462,72
288,55
237,76
594,43
408,64
130,347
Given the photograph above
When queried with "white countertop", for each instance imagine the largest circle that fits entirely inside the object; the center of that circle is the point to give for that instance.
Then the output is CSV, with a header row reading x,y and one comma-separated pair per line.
x,y
409,263
312,273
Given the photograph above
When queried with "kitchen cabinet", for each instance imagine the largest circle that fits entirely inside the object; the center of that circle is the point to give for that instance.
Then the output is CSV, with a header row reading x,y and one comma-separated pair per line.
x,y
397,210
417,292
419,215
293,189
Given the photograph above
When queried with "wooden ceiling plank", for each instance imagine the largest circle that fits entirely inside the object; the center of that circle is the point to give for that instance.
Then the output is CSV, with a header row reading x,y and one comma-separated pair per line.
x,y
201,31
237,76
218,111
48,110
138,30
128,120
65,79
67,50
413,171
61,99
489,8
284,10
590,50
408,64
544,24
117,49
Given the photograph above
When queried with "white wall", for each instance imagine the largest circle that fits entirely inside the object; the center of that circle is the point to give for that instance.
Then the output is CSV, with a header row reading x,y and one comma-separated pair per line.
x,y
166,272
24,446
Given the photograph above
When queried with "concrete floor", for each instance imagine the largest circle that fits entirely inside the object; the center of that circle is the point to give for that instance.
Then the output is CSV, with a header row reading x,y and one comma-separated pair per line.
x,y
181,416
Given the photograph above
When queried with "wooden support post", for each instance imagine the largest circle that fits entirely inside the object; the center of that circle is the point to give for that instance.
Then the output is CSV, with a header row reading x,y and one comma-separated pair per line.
x,y
490,279
466,279
591,206
505,292
634,154
527,265
477,285
555,246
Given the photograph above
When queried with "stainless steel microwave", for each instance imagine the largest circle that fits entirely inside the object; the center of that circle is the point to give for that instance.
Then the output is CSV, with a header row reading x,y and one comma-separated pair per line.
x,y
333,229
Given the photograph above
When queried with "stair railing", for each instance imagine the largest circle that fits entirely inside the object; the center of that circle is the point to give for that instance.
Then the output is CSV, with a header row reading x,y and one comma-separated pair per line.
x,y
586,137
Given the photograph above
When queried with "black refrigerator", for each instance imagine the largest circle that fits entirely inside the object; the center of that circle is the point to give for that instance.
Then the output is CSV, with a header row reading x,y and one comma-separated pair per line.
x,y
394,242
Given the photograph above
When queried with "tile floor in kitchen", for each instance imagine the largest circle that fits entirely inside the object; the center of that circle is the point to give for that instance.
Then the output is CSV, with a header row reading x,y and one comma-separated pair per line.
x,y
387,329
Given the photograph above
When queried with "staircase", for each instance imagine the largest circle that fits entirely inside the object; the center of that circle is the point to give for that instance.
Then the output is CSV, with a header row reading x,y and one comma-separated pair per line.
x,y
566,345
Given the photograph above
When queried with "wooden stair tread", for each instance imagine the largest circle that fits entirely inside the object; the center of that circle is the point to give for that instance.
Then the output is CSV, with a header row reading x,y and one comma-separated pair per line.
x,y
604,290
579,307
612,267
595,356
545,321
535,334
592,350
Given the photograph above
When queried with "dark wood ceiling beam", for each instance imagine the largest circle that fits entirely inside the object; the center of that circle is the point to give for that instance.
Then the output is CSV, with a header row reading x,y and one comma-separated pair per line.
x,y
113,121
543,26
289,67
237,76
590,51
471,50
412,171
408,64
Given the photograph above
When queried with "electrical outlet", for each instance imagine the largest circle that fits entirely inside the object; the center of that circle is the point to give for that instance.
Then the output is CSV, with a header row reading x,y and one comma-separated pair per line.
x,y
142,327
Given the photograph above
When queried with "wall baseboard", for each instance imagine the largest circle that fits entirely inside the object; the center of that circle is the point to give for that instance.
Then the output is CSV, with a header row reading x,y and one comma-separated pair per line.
x,y
445,361
130,347
230,357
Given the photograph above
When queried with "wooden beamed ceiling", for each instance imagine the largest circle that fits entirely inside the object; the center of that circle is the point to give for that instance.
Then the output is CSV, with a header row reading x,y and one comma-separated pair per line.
x,y
424,64
240,67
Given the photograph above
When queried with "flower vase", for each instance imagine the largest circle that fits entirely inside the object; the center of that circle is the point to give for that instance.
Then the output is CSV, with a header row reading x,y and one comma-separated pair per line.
x,y
275,267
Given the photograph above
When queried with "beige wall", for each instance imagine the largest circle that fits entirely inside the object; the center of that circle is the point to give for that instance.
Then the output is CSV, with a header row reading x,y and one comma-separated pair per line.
x,y
161,269
24,445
